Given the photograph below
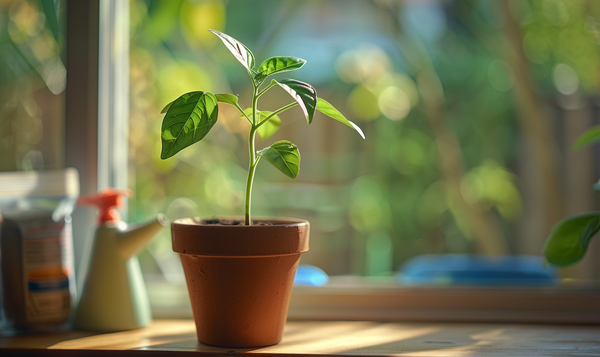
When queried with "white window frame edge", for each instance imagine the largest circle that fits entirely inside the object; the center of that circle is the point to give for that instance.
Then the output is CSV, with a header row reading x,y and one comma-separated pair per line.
x,y
113,94
97,107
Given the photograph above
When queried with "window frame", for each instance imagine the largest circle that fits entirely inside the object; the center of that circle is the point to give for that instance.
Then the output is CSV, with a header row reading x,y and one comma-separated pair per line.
x,y
96,107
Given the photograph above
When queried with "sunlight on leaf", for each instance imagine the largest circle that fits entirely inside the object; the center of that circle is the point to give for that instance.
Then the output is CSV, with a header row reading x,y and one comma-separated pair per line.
x,y
238,49
277,65
187,121
326,108
227,98
303,93
284,155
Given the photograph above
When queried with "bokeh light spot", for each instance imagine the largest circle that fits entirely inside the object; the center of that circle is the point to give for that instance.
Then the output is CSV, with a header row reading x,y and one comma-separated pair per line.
x,y
366,63
394,103
363,103
565,79
555,11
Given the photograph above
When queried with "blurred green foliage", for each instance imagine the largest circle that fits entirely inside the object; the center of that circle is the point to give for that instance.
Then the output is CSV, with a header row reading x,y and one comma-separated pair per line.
x,y
32,84
375,203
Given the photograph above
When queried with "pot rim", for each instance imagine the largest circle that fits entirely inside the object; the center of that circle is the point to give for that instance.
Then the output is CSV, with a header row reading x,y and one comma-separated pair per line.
x,y
285,236
182,223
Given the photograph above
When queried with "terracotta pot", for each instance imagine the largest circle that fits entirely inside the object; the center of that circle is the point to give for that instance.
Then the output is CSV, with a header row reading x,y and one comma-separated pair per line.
x,y
240,277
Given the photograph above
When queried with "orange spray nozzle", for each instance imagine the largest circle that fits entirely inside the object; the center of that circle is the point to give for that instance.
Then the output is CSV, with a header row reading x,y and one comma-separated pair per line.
x,y
107,201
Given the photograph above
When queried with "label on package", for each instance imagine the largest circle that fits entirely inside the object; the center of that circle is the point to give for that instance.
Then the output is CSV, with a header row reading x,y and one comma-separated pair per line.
x,y
47,254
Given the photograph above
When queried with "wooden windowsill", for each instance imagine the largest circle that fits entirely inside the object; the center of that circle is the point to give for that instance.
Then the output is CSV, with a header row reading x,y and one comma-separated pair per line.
x,y
327,338
359,299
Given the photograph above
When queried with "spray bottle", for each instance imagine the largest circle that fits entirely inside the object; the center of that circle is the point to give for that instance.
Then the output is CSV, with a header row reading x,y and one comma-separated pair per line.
x,y
114,296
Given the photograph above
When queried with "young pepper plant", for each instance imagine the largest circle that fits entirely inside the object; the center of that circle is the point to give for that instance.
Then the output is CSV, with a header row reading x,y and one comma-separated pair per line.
x,y
190,117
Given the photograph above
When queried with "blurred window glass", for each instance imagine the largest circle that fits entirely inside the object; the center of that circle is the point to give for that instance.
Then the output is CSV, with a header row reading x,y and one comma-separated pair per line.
x,y
470,110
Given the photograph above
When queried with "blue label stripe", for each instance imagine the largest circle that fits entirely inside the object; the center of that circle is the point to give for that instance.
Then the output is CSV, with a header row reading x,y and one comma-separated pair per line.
x,y
48,285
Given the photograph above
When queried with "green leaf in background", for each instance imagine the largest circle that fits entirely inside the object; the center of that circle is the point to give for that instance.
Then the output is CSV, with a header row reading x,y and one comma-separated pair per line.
x,y
187,121
51,18
238,49
227,98
267,129
597,186
304,94
591,136
284,155
564,246
326,108
589,231
277,65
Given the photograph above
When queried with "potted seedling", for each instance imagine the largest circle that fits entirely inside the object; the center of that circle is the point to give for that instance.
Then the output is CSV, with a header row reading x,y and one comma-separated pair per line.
x,y
240,272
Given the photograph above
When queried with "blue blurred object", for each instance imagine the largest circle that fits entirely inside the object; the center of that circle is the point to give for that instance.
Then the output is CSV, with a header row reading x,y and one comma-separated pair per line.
x,y
458,269
311,276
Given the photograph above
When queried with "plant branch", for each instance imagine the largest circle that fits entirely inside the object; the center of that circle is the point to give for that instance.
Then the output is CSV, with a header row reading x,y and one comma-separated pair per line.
x,y
280,110
271,85
243,113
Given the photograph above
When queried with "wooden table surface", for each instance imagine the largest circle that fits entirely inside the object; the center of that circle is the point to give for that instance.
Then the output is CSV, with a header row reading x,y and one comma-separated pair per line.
x,y
172,337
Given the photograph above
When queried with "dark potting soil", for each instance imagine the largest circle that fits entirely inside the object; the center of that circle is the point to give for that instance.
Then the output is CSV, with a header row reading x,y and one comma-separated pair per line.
x,y
230,222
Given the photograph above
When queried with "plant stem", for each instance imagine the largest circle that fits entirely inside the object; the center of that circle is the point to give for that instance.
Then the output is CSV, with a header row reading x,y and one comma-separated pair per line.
x,y
251,169
253,159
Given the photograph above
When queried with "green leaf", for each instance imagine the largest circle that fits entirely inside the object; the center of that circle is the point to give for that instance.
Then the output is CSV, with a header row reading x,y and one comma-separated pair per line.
x,y
277,65
284,155
304,94
568,240
248,112
589,231
326,108
591,136
597,186
51,18
228,98
267,129
238,49
187,121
